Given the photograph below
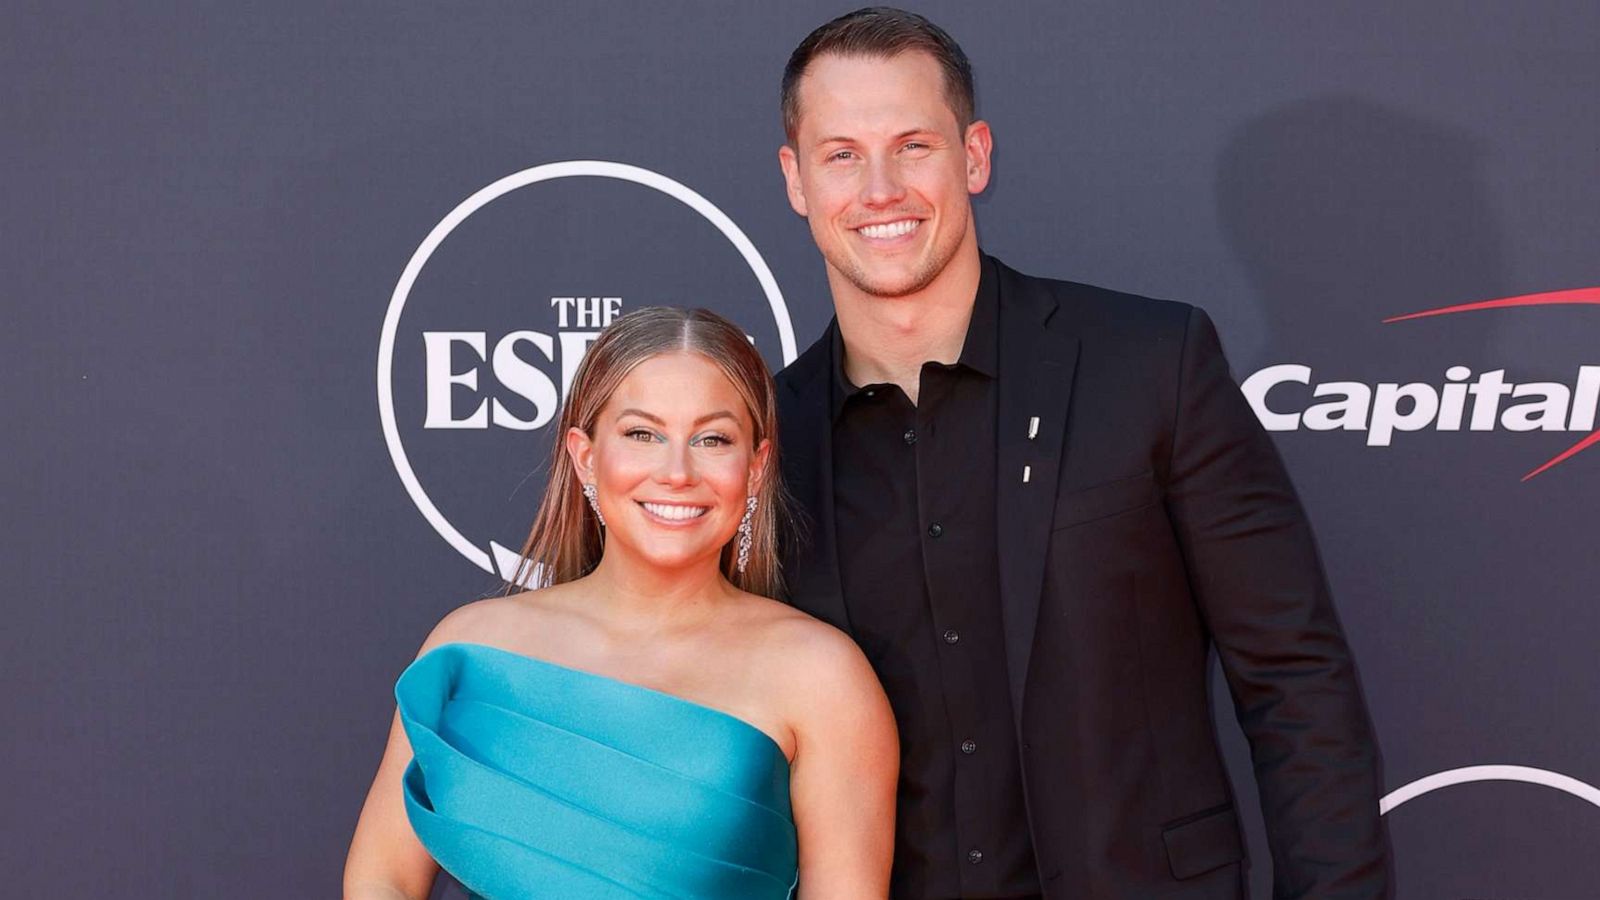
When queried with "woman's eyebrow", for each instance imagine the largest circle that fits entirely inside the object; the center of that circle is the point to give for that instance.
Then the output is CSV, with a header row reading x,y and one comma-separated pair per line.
x,y
641,414
719,414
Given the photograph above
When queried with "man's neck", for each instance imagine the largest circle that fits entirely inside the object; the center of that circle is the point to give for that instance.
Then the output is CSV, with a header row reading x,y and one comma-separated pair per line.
x,y
887,339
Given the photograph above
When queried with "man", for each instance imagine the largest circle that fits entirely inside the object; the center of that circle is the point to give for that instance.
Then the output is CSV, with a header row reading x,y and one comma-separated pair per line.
x,y
1036,505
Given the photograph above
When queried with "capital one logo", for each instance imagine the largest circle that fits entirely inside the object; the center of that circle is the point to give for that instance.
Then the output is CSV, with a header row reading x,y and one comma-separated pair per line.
x,y
1488,400
494,311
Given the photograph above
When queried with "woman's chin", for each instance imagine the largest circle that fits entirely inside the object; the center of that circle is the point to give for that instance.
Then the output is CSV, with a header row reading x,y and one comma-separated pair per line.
x,y
675,556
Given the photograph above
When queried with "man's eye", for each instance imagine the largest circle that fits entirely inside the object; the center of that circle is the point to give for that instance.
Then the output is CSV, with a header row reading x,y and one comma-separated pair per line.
x,y
842,155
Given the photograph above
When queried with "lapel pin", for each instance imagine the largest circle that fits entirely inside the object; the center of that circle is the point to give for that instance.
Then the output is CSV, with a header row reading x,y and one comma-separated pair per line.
x,y
1026,471
1033,428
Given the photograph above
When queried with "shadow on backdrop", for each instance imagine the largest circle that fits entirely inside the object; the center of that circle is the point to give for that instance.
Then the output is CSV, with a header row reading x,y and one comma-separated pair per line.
x,y
1343,212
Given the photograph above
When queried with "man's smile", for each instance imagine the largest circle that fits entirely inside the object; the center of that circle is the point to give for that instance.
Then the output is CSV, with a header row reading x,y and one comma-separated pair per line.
x,y
888,231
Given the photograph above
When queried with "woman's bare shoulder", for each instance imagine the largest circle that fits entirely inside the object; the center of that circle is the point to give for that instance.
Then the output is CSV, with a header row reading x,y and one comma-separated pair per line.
x,y
810,655
467,623
492,620
825,685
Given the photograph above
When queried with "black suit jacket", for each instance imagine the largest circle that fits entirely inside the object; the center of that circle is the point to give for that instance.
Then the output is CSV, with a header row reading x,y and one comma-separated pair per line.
x,y
1144,519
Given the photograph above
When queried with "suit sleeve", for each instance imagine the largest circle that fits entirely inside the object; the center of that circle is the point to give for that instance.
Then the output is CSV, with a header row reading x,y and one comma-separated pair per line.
x,y
1257,578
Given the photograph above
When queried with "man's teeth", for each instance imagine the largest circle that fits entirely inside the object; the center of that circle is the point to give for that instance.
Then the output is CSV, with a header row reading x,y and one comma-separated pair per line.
x,y
889,229
667,511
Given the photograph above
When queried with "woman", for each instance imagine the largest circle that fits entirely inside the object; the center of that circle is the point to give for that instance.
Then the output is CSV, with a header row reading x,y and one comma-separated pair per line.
x,y
649,722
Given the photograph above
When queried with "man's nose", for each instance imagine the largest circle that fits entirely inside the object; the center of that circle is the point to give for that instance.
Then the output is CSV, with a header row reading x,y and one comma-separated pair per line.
x,y
883,185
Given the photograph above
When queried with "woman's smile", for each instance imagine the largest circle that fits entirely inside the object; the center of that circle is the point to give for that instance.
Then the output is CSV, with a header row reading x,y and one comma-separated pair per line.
x,y
674,514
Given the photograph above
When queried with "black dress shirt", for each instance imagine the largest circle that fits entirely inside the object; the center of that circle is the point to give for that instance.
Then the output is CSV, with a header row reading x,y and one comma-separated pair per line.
x,y
914,514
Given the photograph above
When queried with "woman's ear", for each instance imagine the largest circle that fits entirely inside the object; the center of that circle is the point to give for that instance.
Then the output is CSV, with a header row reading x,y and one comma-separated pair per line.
x,y
580,451
758,466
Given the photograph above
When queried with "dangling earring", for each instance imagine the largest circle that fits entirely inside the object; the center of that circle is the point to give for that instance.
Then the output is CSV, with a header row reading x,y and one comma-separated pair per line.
x,y
593,493
745,530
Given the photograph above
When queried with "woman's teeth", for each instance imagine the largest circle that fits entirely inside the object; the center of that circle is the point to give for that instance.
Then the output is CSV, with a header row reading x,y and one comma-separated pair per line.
x,y
674,512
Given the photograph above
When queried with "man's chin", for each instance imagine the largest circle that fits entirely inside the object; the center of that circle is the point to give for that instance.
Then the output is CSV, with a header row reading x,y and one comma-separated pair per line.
x,y
888,285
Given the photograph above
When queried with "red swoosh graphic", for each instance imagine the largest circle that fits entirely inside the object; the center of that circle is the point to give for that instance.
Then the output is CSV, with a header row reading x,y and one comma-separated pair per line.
x,y
1566,454
1549,298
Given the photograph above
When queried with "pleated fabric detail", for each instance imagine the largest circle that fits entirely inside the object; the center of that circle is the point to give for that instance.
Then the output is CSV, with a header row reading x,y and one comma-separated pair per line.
x,y
533,780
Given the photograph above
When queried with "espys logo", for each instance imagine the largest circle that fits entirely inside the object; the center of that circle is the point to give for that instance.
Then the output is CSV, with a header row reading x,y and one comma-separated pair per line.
x,y
496,308
1487,401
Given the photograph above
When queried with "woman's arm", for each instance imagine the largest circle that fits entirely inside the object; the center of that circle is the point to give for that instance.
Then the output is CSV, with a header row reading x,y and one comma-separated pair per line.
x,y
846,765
386,861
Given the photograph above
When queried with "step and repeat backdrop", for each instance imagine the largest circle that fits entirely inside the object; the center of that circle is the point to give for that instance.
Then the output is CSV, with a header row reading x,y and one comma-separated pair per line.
x,y
293,294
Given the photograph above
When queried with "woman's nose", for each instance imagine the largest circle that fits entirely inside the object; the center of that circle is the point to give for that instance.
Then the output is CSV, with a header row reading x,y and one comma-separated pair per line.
x,y
677,465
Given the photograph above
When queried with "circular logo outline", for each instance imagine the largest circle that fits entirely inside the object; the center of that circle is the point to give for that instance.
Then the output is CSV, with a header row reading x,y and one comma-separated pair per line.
x,y
1469,774
545,172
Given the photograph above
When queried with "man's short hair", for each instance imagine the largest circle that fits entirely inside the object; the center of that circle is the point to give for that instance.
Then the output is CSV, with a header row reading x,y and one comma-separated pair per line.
x,y
881,32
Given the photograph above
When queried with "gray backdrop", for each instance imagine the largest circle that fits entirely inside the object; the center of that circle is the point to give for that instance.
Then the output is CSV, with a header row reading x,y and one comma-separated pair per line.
x,y
213,568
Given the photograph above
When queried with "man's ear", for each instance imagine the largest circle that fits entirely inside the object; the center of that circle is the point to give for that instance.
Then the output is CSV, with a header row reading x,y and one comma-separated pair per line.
x,y
979,147
580,452
791,179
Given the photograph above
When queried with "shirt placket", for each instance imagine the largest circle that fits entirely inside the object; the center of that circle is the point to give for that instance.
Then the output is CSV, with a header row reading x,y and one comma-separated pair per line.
x,y
941,562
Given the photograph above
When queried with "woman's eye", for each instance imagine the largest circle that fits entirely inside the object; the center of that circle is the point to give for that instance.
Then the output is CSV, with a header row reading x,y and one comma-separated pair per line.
x,y
640,434
714,440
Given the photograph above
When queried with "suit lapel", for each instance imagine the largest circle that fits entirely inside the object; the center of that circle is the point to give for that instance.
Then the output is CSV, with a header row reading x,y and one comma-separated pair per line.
x,y
807,444
1036,369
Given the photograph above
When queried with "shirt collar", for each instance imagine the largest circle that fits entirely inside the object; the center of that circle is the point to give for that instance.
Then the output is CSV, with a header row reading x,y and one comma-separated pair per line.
x,y
979,350
982,346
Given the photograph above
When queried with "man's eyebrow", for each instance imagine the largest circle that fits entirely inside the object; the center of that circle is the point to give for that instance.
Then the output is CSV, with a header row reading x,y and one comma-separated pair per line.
x,y
841,139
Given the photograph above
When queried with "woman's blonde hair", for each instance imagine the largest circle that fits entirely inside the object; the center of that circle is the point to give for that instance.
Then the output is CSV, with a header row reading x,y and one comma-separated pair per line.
x,y
566,541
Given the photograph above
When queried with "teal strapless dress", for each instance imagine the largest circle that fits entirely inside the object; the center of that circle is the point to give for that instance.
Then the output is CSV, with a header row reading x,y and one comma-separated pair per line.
x,y
532,780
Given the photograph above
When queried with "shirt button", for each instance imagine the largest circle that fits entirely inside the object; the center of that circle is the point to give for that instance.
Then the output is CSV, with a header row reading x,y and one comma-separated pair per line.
x,y
935,530
910,436
969,747
974,856
950,636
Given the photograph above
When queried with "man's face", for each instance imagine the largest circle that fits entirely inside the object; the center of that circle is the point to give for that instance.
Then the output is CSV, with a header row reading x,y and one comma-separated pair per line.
x,y
882,171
